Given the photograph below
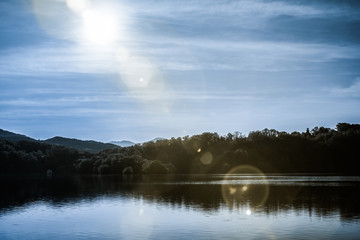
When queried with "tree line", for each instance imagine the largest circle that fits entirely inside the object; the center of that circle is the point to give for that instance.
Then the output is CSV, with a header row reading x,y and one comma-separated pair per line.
x,y
320,150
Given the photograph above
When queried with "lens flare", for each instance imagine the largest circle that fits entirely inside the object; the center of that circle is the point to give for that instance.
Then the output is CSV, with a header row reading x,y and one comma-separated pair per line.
x,y
106,24
144,81
206,158
138,73
232,190
245,184
122,55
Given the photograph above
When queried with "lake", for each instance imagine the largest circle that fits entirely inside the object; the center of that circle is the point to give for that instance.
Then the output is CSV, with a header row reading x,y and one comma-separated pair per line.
x,y
233,206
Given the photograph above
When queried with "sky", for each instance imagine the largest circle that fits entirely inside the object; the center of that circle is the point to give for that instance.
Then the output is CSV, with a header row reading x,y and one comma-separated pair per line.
x,y
136,70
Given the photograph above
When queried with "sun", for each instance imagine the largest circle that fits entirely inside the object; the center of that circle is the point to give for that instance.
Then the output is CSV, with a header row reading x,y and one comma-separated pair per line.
x,y
99,27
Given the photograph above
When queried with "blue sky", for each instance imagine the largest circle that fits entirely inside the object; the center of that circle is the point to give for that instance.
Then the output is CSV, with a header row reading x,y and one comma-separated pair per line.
x,y
136,70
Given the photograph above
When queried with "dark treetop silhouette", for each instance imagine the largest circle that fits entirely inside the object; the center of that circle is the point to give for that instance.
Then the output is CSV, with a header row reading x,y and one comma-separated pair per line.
x,y
321,150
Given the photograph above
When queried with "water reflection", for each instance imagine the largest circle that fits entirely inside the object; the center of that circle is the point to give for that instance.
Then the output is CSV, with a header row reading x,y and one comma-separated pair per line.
x,y
238,192
318,196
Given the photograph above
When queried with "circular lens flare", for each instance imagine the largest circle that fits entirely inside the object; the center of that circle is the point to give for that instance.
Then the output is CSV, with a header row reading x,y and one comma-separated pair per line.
x,y
243,185
206,158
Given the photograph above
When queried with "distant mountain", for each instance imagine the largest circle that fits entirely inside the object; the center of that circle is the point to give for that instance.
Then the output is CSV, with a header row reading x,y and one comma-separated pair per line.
x,y
123,143
157,139
10,136
81,145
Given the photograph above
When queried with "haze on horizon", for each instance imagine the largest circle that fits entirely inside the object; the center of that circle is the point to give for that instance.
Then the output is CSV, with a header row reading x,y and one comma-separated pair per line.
x,y
136,70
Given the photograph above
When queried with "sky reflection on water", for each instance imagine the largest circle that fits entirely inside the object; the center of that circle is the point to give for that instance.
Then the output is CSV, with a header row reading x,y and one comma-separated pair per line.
x,y
120,208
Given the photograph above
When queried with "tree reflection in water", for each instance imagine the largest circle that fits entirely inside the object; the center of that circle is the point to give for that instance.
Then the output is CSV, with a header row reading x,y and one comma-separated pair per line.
x,y
319,196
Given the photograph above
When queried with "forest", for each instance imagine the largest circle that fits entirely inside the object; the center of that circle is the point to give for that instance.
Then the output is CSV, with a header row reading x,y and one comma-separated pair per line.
x,y
320,150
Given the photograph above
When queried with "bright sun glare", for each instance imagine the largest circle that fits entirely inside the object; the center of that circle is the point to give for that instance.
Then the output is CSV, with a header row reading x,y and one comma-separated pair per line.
x,y
99,28
106,24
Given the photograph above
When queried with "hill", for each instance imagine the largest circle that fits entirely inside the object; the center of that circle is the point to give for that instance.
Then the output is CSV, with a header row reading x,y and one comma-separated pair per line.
x,y
81,145
10,136
123,143
317,151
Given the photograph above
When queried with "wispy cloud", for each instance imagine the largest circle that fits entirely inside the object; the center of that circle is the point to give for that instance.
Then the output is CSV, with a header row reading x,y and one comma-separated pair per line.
x,y
244,8
257,56
39,60
178,66
352,91
186,52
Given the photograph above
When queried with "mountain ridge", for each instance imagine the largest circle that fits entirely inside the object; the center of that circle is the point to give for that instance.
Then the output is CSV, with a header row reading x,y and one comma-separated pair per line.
x,y
123,143
80,145
11,136
91,146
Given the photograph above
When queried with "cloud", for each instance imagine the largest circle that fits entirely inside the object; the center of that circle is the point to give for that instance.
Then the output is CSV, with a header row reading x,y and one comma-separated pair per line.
x,y
200,54
241,62
245,8
193,51
39,60
352,91
197,54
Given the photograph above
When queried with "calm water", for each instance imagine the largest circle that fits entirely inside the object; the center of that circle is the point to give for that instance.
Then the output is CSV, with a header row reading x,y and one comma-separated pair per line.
x,y
181,207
